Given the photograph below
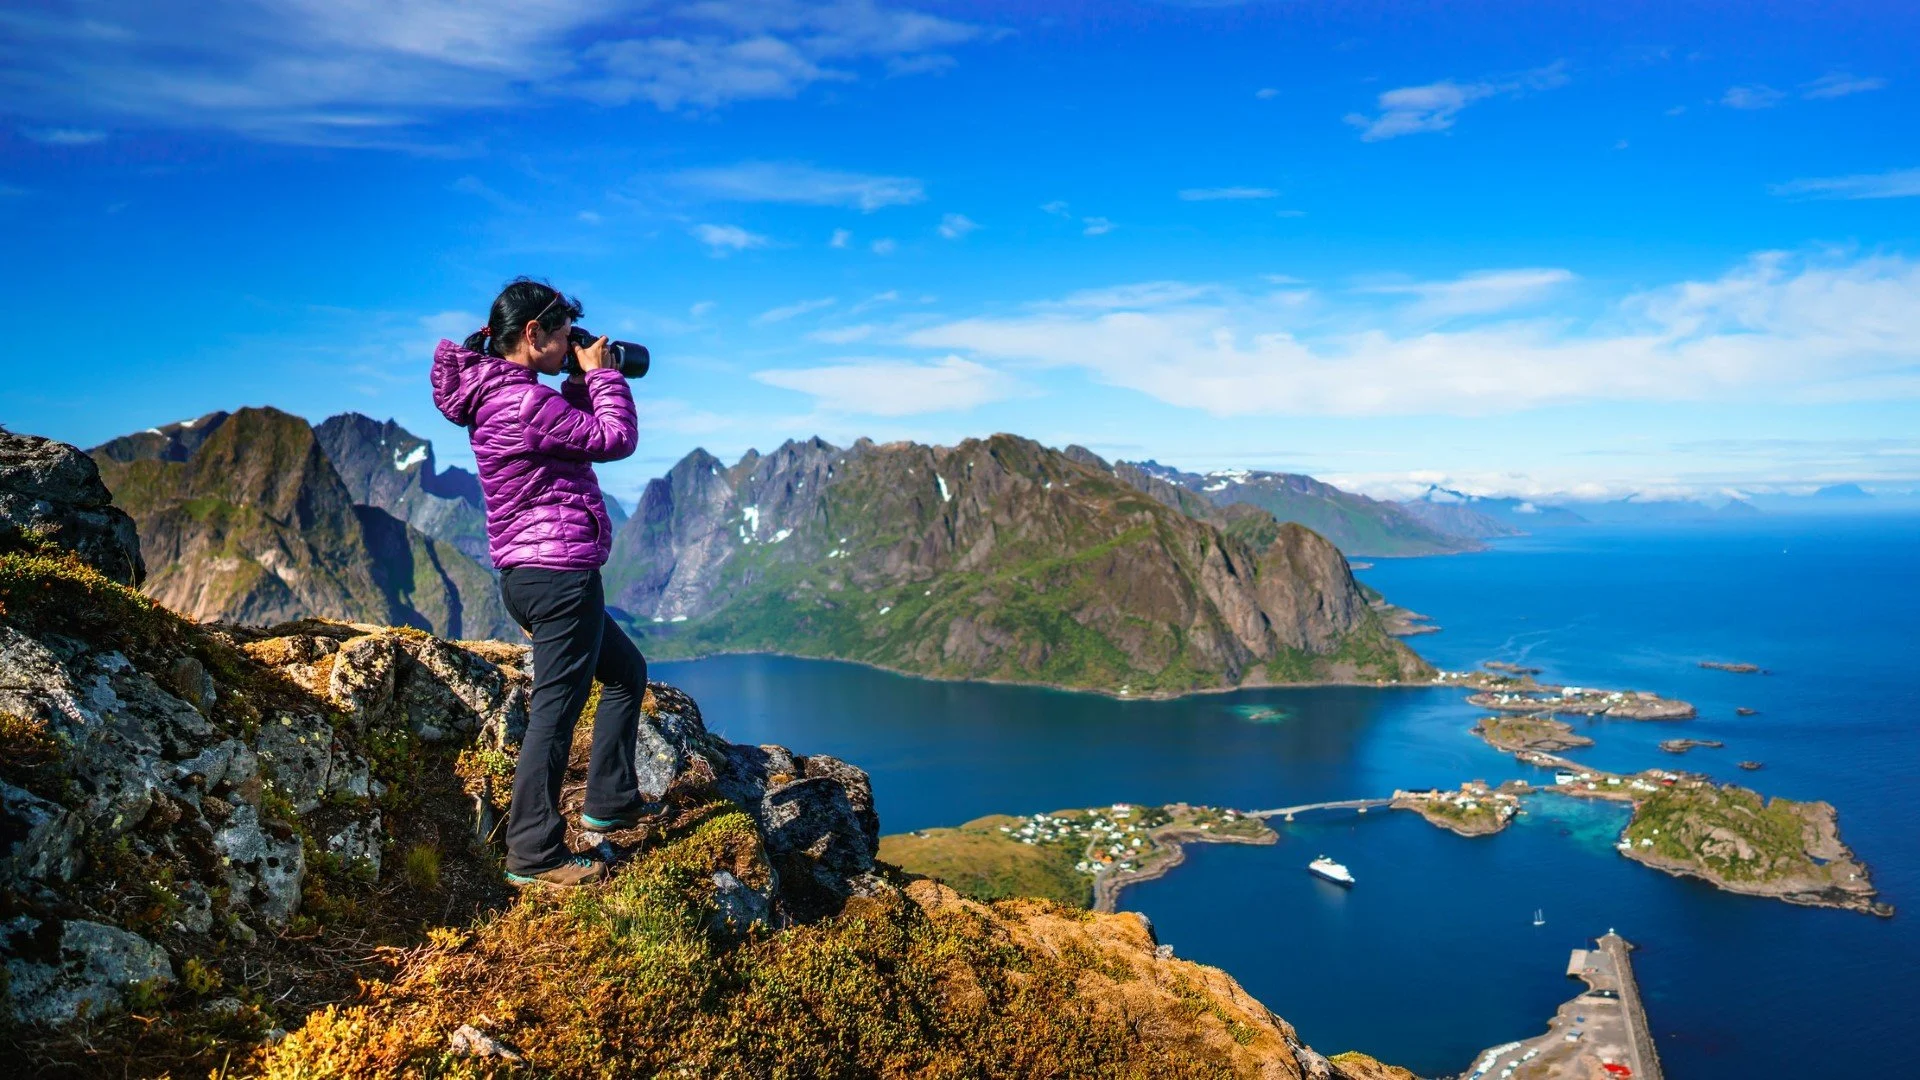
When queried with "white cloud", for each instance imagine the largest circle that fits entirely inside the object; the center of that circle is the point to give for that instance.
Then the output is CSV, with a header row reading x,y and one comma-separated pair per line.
x,y
801,184
700,309
840,238
1057,207
358,72
895,387
886,297
1410,110
1478,293
1212,194
1776,327
955,226
725,239
1751,97
789,311
1839,84
65,136
588,217
1894,184
1266,93
843,335
1096,226
883,246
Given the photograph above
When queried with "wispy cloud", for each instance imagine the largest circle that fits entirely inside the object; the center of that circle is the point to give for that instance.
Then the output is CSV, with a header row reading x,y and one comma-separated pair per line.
x,y
1840,84
1893,184
1096,226
840,238
1479,293
1411,110
1776,327
1058,207
724,240
896,387
1757,96
794,310
1212,194
360,72
801,184
883,246
1266,93
955,226
65,136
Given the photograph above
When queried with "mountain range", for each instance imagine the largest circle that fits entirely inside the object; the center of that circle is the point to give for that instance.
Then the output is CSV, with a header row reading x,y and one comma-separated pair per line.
x,y
996,558
1357,525
244,517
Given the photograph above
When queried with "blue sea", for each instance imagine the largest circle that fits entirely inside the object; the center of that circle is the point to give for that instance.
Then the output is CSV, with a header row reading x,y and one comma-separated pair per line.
x,y
1433,955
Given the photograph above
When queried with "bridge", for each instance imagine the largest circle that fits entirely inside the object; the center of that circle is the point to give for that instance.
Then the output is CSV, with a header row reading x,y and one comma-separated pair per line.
x,y
1287,812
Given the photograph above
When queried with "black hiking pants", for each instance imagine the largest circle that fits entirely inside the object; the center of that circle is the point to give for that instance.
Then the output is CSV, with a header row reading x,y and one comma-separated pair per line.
x,y
574,642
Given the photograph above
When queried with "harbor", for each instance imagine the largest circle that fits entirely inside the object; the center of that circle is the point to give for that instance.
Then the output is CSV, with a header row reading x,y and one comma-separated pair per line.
x,y
1600,1032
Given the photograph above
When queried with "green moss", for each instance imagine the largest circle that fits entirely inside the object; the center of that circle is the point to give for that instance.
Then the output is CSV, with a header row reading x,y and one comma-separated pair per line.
x,y
1692,823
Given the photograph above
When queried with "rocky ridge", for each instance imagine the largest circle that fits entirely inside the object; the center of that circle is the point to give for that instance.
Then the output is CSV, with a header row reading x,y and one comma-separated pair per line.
x,y
994,559
1356,524
211,835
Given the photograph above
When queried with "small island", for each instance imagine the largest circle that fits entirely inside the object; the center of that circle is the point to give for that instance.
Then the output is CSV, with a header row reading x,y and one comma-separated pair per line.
x,y
1743,842
1742,710
1737,669
1751,766
1502,690
1474,810
1082,858
1514,733
1681,746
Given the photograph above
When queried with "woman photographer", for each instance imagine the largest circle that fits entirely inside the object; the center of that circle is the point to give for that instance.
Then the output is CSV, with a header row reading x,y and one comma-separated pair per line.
x,y
548,534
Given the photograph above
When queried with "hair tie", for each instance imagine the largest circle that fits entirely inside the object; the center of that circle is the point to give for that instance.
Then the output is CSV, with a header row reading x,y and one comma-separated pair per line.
x,y
484,331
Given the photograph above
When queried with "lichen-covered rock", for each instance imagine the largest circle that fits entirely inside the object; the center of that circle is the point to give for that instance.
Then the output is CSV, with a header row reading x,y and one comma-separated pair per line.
x,y
57,972
264,869
50,492
36,839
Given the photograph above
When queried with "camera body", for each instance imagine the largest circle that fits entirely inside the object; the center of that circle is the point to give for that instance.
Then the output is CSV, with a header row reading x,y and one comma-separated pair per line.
x,y
629,358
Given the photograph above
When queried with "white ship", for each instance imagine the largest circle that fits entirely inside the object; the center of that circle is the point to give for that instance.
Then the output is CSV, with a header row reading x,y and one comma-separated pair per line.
x,y
1324,867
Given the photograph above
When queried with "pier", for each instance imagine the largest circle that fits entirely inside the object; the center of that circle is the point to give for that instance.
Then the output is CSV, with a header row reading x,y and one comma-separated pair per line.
x,y
1287,812
1646,1060
1602,1031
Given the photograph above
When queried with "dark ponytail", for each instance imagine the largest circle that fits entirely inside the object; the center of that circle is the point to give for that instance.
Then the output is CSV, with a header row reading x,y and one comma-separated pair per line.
x,y
522,301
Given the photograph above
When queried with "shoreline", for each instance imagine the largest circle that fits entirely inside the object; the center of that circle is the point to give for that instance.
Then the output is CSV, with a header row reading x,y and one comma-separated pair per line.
x,y
1107,887
1157,695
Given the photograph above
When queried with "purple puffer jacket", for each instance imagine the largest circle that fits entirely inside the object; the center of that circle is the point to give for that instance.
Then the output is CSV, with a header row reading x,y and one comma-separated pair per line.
x,y
534,446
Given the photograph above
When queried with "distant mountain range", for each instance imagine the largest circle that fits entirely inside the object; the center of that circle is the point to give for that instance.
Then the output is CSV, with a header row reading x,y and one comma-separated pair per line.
x,y
246,517
1358,525
997,558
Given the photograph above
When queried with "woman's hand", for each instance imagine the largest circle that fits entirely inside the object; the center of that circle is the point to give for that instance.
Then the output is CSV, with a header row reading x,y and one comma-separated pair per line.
x,y
594,357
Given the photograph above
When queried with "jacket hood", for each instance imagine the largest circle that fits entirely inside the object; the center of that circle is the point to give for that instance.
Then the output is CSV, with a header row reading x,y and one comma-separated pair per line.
x,y
458,381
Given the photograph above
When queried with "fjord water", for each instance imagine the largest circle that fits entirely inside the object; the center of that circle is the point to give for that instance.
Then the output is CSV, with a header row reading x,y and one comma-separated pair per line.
x,y
1433,955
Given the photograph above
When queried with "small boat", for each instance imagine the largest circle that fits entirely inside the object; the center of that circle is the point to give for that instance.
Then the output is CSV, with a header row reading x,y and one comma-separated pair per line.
x,y
1539,917
1329,870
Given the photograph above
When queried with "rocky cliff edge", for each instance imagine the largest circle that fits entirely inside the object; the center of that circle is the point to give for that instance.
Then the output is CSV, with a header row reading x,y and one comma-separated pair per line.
x,y
266,852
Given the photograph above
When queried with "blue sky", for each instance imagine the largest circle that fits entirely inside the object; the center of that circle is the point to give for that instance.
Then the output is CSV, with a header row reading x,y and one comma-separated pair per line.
x,y
1516,248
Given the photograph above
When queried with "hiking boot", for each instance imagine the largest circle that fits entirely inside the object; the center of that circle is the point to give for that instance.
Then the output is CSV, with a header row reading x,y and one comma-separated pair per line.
x,y
625,820
576,871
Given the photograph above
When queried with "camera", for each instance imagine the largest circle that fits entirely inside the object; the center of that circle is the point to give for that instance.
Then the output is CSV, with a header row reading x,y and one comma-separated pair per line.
x,y
629,359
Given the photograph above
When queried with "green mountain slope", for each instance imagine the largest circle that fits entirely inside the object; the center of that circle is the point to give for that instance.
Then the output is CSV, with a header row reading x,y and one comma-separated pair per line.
x,y
242,517
998,558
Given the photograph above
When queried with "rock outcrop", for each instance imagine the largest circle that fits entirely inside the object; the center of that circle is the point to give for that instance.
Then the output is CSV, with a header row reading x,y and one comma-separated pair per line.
x,y
243,518
51,494
996,558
